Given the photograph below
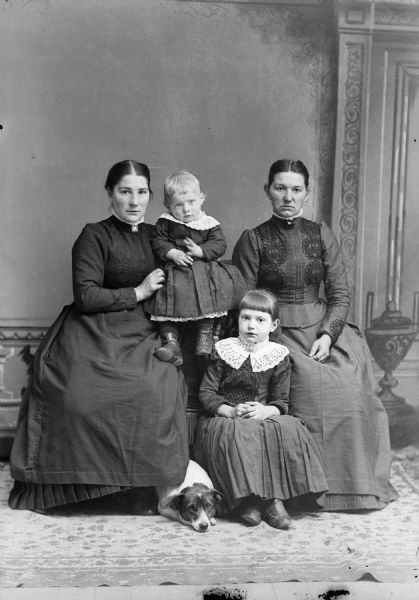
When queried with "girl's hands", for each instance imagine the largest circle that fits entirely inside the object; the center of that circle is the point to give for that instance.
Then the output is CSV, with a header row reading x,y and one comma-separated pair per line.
x,y
153,282
248,410
179,257
256,410
239,411
320,350
193,249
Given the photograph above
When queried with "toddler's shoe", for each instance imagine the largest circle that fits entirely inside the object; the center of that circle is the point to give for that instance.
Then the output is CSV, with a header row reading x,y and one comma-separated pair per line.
x,y
204,340
170,351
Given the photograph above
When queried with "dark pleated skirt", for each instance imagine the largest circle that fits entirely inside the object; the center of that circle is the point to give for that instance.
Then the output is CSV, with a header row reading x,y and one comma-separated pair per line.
x,y
203,289
42,496
101,413
347,420
274,458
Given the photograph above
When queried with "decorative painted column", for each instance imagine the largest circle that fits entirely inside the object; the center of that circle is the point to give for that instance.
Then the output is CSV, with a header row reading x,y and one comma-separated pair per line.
x,y
355,40
378,80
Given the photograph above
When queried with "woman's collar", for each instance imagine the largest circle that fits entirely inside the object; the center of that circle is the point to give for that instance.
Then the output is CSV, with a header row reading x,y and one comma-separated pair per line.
x,y
290,220
134,226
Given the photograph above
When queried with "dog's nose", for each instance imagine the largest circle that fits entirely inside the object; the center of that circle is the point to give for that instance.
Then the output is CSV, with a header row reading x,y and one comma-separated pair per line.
x,y
203,526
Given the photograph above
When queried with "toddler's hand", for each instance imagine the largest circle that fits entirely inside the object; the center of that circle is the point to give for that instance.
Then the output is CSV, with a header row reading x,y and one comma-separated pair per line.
x,y
179,257
193,249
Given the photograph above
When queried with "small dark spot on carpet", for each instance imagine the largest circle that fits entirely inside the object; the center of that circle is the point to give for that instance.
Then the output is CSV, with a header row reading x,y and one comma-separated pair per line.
x,y
224,594
333,594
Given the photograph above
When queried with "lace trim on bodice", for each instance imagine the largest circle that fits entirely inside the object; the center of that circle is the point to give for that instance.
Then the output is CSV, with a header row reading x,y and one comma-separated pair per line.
x,y
263,357
202,223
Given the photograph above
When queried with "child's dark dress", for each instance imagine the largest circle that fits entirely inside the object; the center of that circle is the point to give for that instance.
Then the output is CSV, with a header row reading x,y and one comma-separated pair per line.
x,y
207,288
271,458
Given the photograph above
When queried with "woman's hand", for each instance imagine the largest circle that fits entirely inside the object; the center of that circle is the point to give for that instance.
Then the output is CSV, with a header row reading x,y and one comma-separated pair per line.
x,y
193,249
179,257
256,410
153,282
320,350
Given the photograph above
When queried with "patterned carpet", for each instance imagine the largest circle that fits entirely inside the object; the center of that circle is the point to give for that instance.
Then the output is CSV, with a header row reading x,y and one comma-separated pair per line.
x,y
85,549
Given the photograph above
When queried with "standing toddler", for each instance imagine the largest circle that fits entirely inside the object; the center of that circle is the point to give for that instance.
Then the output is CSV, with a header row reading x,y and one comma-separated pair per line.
x,y
198,287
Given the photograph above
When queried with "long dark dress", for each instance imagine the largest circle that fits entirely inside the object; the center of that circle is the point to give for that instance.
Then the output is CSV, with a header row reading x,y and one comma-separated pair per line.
x,y
101,413
206,288
271,458
335,398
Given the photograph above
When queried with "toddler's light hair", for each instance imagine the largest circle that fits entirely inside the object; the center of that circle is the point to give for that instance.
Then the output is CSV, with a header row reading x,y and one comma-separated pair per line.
x,y
180,183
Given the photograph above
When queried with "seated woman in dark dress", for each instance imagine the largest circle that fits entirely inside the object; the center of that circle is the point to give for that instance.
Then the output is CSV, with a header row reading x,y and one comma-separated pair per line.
x,y
101,414
332,381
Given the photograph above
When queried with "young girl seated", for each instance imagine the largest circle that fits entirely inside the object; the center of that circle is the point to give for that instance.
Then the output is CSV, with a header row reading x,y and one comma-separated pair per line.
x,y
254,452
198,287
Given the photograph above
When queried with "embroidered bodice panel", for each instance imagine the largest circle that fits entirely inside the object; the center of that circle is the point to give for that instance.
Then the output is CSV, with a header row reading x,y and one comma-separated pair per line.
x,y
292,261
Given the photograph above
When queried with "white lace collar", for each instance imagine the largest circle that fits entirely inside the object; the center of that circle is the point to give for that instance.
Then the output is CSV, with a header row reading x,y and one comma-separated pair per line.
x,y
202,222
263,356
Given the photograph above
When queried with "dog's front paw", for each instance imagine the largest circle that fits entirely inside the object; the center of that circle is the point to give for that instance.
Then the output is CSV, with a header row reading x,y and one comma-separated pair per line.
x,y
213,521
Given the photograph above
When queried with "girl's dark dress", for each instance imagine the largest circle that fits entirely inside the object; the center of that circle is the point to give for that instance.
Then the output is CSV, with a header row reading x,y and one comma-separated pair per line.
x,y
207,288
335,398
101,412
271,458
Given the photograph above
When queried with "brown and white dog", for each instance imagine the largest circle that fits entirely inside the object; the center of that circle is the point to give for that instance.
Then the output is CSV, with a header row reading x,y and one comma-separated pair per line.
x,y
194,502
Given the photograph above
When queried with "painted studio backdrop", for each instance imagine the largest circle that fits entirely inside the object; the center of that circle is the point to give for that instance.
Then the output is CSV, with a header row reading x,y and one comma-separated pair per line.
x,y
221,89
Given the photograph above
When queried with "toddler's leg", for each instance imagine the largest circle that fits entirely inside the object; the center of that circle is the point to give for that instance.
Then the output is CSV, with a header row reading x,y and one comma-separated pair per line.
x,y
204,339
170,351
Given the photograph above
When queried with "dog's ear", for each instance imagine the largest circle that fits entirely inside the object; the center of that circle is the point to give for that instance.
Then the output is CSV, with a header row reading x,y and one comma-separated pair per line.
x,y
218,496
176,501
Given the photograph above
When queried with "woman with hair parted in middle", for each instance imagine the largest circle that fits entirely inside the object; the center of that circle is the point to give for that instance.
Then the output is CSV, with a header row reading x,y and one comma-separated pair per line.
x,y
332,383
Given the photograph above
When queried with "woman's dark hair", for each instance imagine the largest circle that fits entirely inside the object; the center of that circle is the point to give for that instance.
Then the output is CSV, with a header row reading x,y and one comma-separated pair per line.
x,y
286,165
261,300
126,167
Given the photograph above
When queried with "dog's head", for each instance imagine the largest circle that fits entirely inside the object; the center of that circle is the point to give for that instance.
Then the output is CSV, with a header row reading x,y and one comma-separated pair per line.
x,y
197,506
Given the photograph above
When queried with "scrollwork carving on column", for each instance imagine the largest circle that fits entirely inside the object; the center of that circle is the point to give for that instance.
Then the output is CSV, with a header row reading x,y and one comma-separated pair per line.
x,y
399,17
351,150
